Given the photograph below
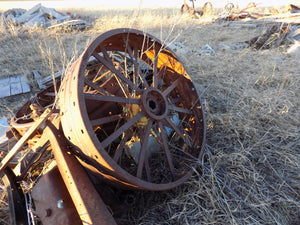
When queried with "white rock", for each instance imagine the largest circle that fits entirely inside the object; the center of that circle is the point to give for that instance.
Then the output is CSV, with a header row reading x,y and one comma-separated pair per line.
x,y
207,50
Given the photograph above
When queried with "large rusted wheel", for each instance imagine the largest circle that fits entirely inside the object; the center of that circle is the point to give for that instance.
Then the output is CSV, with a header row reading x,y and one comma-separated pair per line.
x,y
132,111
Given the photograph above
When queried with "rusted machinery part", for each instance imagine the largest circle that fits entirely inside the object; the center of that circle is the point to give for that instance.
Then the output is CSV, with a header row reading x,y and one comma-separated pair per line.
x,y
292,8
89,205
133,112
16,198
208,6
24,118
251,5
193,3
57,206
229,7
184,8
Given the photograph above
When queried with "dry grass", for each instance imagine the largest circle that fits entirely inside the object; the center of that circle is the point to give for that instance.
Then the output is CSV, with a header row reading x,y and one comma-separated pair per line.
x,y
250,173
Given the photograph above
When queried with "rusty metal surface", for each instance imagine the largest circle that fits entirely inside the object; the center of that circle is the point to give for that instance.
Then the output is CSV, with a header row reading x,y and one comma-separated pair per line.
x,y
128,112
52,201
89,205
16,199
30,156
140,94
24,118
29,134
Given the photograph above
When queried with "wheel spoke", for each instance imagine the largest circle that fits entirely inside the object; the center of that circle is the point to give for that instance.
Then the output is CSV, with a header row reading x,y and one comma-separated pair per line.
x,y
96,87
166,148
111,98
179,109
160,76
112,68
122,129
105,120
120,147
174,127
137,71
171,88
143,151
155,68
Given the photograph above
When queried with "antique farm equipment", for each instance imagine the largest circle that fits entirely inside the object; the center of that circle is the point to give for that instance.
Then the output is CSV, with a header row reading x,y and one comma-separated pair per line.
x,y
207,9
126,112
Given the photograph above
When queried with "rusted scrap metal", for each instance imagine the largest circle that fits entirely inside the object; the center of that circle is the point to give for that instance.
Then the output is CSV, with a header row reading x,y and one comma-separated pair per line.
x,y
293,8
111,119
272,37
233,12
56,207
185,8
206,10
20,144
89,205
127,112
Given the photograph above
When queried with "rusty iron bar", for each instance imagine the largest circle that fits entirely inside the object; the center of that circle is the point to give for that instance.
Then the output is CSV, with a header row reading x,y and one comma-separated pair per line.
x,y
89,205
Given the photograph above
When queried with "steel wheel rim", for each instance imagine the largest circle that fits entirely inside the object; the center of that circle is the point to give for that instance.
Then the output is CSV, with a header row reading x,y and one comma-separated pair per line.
x,y
151,111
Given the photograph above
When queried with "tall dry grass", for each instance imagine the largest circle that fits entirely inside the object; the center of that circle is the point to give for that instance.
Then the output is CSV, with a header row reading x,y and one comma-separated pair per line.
x,y
250,173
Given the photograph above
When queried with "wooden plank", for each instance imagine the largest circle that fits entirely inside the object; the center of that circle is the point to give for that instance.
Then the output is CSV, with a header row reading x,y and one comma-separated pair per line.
x,y
38,79
56,21
35,20
15,86
49,78
4,87
24,83
29,14
52,12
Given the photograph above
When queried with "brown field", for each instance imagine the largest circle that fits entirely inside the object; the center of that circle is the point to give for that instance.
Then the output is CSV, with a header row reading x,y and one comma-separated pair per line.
x,y
250,172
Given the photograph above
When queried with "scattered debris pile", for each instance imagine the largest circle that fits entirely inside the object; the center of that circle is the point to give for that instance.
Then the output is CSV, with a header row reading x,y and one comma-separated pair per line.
x,y
40,16
127,112
232,12
272,37
278,35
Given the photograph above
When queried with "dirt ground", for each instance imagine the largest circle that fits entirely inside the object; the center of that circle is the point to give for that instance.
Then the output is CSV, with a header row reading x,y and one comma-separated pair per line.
x,y
250,172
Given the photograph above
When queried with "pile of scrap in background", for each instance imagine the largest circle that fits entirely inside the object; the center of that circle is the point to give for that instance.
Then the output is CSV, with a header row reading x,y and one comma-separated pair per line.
x,y
40,16
233,12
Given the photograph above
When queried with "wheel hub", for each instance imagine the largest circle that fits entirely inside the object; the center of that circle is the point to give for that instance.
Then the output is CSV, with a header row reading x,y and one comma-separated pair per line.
x,y
154,104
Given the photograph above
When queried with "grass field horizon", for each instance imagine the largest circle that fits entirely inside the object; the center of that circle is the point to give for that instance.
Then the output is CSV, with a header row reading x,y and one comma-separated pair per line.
x,y
250,172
